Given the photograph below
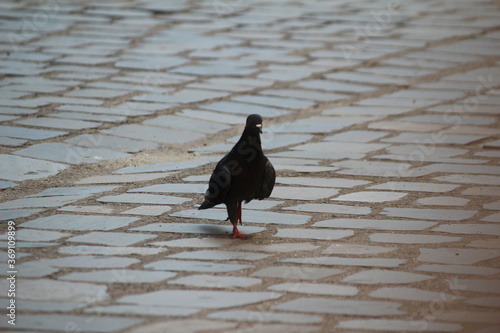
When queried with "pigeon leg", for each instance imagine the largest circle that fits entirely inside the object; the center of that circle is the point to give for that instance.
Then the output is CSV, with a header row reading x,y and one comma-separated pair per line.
x,y
239,213
236,233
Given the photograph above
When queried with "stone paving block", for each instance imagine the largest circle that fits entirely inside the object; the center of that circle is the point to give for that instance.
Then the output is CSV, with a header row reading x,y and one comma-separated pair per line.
x,y
105,118
470,179
80,222
331,208
110,238
470,316
147,210
492,205
305,94
108,250
318,125
371,196
73,190
18,168
336,86
341,306
43,202
66,153
29,133
219,255
143,310
341,147
150,62
485,301
427,138
442,201
155,134
275,247
118,276
197,242
184,326
357,136
172,188
85,261
394,125
303,193
219,282
275,101
430,214
315,288
199,299
413,294
470,228
457,256
141,198
97,93
11,142
314,233
12,214
239,108
375,224
483,190
194,266
60,322
128,109
321,182
265,316
126,178
411,238
188,124
37,235
114,143
356,249
458,269
29,269
475,285
414,186
42,306
165,166
182,96
492,218
50,122
253,216
340,261
296,272
214,116
225,228
366,110
377,276
398,325
88,209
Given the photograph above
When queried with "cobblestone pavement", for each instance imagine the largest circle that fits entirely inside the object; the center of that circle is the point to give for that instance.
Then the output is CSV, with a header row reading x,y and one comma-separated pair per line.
x,y
381,118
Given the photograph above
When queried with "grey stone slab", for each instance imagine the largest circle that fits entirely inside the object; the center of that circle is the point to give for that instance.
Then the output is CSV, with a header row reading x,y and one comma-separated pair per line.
x,y
212,70
317,154
315,288
430,214
196,228
45,306
483,190
66,153
296,272
30,269
314,233
196,242
60,323
105,118
377,276
154,134
442,201
172,188
275,101
341,306
357,136
428,138
398,325
414,186
18,168
219,282
16,111
275,247
302,193
80,222
111,238
74,190
321,182
12,214
166,166
184,326
143,310
471,316
118,276
238,108
58,291
125,178
341,261
150,62
319,125
85,261
305,94
184,123
182,96
204,299
470,179
411,238
492,218
214,116
458,269
41,201
457,256
475,285
341,147
485,301
29,133
141,198
147,210
97,93
366,110
337,86
375,224
127,109
492,205
253,216
194,266
265,316
87,209
470,228
109,250
11,142
37,235
219,255
110,142
356,249
59,123
331,208
413,294
371,196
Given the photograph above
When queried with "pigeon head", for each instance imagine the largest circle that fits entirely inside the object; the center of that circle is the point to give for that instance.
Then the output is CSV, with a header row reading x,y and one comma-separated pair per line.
x,y
254,121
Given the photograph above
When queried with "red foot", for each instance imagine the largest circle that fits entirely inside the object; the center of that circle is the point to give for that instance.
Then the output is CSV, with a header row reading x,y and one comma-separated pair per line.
x,y
237,234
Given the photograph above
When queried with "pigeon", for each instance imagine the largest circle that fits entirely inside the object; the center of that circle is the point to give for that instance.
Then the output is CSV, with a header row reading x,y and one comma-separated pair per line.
x,y
243,174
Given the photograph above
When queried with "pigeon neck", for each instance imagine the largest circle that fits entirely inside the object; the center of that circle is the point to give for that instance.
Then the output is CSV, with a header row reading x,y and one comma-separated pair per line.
x,y
252,137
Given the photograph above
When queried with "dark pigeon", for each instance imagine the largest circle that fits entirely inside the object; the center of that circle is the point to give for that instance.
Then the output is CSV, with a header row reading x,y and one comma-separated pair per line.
x,y
243,174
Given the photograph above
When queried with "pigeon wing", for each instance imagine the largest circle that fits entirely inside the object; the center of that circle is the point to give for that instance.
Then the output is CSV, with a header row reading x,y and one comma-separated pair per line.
x,y
218,186
268,181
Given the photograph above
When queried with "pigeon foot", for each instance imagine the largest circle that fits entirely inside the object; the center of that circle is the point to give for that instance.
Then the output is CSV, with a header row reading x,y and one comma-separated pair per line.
x,y
237,234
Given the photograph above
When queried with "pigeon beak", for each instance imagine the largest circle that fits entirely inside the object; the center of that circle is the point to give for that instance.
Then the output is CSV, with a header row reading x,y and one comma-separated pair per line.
x,y
259,126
